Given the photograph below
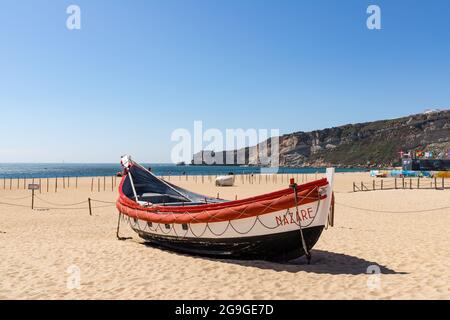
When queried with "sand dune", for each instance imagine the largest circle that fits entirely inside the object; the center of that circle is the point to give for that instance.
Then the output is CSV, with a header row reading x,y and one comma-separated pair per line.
x,y
41,250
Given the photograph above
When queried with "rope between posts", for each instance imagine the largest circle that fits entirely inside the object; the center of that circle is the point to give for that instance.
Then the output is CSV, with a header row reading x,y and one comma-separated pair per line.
x,y
14,204
20,198
61,208
387,211
61,204
79,208
105,206
102,201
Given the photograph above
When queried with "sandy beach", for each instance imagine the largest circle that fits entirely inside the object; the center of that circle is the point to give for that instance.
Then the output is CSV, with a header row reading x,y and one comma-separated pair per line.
x,y
41,248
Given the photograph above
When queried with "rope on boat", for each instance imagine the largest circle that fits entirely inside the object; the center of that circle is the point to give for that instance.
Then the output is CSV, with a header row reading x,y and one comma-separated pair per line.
x,y
305,248
388,211
135,224
241,214
117,230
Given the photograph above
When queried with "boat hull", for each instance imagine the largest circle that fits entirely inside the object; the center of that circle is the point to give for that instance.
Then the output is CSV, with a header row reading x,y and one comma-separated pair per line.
x,y
275,247
272,236
263,227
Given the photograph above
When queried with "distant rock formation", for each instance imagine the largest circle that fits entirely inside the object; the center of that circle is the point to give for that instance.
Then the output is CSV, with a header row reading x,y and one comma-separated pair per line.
x,y
370,144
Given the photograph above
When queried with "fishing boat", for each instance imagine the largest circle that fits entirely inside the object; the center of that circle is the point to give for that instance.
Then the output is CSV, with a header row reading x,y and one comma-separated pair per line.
x,y
279,225
225,181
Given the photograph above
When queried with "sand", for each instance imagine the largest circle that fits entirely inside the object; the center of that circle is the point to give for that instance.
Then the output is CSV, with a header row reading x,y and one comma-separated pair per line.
x,y
42,250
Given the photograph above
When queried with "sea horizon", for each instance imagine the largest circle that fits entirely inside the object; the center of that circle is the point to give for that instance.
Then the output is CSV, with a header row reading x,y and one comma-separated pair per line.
x,y
14,170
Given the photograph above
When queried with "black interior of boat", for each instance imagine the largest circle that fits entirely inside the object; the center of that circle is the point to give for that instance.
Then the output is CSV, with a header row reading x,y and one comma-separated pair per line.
x,y
160,198
152,190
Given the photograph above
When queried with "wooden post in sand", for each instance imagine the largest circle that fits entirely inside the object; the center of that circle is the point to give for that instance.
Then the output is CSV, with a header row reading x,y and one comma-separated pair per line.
x,y
418,183
98,184
373,184
4,183
354,186
56,185
40,186
90,208
64,182
435,183
104,183
32,199
381,184
395,182
76,182
92,184
410,183
112,183
47,184
10,183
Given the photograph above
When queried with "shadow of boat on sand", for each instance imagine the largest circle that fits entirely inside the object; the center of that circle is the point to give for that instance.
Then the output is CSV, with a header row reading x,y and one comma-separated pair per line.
x,y
323,262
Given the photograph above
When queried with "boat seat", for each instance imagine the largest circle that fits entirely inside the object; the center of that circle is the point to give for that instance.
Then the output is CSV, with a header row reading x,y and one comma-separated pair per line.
x,y
160,198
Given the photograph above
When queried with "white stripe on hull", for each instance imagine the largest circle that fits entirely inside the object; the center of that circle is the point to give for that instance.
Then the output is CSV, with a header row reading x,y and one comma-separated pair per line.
x,y
311,215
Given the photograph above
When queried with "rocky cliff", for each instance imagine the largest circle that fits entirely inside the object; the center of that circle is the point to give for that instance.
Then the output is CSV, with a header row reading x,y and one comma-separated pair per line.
x,y
363,144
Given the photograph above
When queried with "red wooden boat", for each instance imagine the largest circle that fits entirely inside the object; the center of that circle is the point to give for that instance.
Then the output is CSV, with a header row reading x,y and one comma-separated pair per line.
x,y
280,225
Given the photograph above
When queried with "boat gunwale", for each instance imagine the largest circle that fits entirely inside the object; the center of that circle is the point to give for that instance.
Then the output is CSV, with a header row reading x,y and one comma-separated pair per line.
x,y
224,211
126,201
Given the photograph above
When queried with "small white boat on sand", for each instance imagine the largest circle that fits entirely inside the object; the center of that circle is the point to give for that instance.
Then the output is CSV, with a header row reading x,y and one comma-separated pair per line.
x,y
225,181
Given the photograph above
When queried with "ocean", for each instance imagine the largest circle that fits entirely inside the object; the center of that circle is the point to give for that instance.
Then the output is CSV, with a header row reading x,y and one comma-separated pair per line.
x,y
52,170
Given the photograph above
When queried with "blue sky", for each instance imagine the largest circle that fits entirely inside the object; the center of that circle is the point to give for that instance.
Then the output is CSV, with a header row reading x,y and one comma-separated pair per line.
x,y
137,70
